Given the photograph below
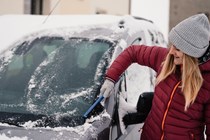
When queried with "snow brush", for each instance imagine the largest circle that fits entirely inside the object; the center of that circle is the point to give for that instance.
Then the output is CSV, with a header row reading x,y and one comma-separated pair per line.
x,y
93,106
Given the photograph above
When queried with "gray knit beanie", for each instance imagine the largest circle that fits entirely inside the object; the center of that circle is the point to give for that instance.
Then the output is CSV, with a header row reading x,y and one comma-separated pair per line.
x,y
192,35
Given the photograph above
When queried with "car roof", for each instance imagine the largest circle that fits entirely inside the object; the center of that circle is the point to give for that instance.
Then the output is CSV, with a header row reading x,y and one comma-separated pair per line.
x,y
15,27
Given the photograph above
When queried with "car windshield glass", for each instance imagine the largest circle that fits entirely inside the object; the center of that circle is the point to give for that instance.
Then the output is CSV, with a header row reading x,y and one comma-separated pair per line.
x,y
52,76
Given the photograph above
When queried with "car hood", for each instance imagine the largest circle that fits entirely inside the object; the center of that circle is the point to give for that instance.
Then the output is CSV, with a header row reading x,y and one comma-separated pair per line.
x,y
87,131
37,134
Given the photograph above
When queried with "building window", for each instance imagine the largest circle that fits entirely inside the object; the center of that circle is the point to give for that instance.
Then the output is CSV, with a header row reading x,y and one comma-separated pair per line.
x,y
37,7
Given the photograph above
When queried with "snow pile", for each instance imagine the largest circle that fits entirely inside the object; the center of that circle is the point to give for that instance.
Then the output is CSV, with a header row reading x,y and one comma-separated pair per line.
x,y
4,137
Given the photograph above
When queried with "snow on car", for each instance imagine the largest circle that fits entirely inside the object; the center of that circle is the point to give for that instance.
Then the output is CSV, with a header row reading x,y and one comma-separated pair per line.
x,y
52,69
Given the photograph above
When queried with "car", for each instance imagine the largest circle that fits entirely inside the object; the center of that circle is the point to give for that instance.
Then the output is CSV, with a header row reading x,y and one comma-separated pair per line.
x,y
52,69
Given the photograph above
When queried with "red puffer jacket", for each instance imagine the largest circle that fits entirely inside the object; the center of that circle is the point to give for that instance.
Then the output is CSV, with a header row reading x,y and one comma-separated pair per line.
x,y
167,119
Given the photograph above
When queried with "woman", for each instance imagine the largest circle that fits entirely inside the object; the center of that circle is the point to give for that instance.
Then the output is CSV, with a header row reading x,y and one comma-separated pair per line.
x,y
181,103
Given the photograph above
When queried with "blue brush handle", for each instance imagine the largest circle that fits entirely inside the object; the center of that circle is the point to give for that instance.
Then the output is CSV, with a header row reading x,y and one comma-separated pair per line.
x,y
93,106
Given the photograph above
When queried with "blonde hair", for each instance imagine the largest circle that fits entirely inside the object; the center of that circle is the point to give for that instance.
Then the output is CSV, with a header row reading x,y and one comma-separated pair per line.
x,y
191,76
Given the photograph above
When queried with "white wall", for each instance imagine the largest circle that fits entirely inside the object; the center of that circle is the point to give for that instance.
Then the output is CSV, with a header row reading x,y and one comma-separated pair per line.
x,y
155,10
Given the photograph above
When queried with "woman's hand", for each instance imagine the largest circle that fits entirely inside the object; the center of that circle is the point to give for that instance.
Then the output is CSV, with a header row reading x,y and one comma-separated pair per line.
x,y
107,88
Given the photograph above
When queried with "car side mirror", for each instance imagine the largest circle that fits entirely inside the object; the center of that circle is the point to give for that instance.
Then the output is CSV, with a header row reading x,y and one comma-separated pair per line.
x,y
144,105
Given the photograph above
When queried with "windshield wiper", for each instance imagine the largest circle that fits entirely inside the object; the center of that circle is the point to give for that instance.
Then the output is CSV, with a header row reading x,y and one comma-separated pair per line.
x,y
63,121
18,119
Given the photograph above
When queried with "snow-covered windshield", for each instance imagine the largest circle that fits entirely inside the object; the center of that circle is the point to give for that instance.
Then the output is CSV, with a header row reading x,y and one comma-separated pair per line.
x,y
52,76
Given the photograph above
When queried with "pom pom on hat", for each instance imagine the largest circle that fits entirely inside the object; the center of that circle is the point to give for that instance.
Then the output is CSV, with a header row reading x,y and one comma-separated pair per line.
x,y
192,35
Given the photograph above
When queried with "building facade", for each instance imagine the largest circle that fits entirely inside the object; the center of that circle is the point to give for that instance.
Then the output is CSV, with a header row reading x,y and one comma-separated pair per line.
x,y
45,7
86,7
181,9
11,7
169,13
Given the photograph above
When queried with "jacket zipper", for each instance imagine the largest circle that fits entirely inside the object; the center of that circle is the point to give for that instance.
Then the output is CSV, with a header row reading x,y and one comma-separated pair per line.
x,y
192,136
166,111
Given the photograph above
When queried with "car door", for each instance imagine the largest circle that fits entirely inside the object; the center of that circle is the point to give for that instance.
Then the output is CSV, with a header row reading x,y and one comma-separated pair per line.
x,y
135,81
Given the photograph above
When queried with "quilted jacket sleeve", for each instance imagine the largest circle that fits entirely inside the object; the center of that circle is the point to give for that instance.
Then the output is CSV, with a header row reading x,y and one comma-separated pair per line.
x,y
143,55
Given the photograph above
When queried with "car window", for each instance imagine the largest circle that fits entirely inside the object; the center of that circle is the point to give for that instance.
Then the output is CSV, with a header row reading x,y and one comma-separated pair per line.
x,y
137,79
53,76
